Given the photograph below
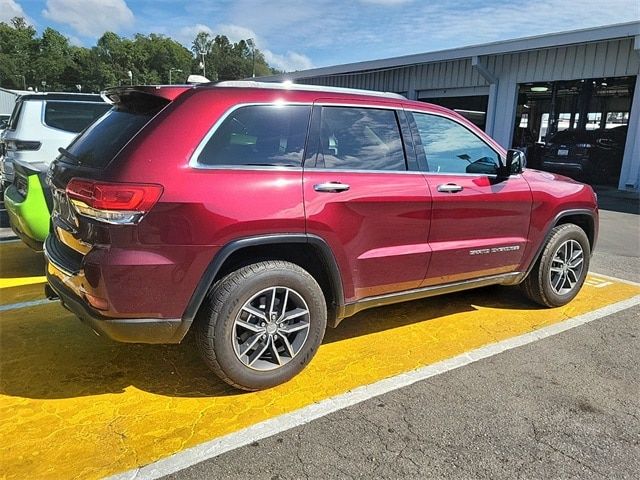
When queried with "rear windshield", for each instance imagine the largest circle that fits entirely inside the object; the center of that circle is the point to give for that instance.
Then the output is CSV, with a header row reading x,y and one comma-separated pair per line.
x,y
73,116
102,141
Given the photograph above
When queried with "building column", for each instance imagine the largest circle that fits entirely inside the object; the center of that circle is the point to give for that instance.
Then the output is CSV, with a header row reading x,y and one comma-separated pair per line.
x,y
630,171
492,80
411,91
505,104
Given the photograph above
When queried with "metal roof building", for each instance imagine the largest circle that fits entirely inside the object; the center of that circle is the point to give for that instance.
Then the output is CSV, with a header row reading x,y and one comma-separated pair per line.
x,y
501,77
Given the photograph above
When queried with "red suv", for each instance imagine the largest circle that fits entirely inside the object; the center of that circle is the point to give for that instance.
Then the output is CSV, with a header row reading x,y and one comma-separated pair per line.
x,y
258,214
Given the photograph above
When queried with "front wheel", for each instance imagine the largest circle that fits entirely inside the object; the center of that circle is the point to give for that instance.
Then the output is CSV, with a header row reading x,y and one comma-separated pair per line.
x,y
562,268
261,324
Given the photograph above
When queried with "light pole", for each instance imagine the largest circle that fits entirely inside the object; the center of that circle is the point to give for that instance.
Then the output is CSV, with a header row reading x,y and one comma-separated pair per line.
x,y
130,75
171,70
251,43
203,66
24,81
44,85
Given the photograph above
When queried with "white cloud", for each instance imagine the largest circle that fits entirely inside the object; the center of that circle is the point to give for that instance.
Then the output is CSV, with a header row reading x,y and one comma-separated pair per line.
x,y
235,33
186,35
497,21
10,9
289,62
90,18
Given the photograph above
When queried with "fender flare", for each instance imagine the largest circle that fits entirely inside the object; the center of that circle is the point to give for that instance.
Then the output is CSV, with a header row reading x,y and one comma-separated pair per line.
x,y
225,252
552,225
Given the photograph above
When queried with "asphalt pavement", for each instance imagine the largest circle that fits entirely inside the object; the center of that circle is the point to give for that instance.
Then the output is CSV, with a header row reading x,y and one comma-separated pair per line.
x,y
563,407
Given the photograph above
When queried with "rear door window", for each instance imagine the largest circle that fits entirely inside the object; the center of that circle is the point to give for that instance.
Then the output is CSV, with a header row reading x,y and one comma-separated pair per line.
x,y
354,138
259,135
73,116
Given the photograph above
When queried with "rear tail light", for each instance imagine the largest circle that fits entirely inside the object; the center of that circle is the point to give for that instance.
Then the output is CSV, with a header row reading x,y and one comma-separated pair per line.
x,y
118,203
22,145
583,145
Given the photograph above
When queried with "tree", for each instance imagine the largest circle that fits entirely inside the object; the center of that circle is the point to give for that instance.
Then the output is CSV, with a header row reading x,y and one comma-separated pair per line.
x,y
52,59
17,47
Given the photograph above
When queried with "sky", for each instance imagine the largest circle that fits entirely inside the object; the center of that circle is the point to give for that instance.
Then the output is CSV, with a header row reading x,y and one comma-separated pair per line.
x,y
298,35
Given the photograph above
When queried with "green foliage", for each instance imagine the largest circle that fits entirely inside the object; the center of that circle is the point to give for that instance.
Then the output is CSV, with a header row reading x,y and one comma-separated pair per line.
x,y
26,59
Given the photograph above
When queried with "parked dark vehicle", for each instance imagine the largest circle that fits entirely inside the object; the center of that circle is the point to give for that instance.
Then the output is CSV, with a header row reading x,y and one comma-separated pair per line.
x,y
592,156
259,214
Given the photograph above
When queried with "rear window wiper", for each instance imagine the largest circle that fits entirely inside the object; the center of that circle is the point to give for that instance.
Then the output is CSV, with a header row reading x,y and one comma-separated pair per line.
x,y
69,155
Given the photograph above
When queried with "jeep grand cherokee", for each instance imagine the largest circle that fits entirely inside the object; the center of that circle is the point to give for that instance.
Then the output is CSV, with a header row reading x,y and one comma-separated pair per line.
x,y
258,214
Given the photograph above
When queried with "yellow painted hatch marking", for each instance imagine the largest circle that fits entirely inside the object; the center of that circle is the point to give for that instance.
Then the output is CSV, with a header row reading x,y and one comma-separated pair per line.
x,y
76,405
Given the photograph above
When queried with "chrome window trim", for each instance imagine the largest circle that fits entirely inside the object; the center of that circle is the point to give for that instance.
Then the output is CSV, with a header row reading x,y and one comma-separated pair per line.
x,y
275,168
193,160
324,103
353,170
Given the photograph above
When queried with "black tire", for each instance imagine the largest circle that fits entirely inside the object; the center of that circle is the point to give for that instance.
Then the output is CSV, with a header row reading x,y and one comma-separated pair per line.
x,y
216,334
538,285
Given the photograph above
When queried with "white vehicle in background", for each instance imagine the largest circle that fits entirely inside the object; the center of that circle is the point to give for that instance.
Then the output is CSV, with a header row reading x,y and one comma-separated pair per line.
x,y
40,124
4,121
43,122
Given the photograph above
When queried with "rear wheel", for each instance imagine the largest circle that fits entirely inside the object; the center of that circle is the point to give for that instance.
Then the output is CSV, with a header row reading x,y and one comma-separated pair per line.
x,y
261,324
560,272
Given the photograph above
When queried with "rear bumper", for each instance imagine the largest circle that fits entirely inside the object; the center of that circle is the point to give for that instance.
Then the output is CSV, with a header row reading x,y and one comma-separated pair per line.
x,y
68,286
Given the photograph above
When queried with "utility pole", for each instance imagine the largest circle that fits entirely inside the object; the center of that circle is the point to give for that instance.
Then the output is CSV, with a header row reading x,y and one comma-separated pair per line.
x,y
171,70
252,44
203,66
24,81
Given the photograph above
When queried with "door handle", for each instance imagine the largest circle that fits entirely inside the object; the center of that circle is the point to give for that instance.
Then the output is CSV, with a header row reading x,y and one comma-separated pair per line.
x,y
331,187
450,188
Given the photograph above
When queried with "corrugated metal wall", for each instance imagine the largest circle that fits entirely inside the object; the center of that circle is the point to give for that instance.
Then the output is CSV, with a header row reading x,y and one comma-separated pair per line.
x,y
7,101
612,58
597,59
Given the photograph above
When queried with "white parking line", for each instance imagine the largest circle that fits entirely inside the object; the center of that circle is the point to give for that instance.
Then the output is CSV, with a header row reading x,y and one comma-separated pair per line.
x,y
273,426
32,303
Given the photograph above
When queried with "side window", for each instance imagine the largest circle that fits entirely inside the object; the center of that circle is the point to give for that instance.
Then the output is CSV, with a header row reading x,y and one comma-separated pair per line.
x,y
73,116
262,135
451,148
359,139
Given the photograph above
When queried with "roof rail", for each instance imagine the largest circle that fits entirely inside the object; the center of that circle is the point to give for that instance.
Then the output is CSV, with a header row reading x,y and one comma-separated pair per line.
x,y
311,88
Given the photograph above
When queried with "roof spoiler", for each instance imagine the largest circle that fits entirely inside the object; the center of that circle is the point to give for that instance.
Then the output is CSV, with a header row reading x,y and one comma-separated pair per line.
x,y
122,95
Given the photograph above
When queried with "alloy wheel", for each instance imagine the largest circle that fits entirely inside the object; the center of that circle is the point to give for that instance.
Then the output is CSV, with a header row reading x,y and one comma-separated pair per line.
x,y
271,328
566,267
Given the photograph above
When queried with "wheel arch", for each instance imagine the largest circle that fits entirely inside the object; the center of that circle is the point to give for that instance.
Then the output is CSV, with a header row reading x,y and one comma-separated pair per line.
x,y
301,249
586,219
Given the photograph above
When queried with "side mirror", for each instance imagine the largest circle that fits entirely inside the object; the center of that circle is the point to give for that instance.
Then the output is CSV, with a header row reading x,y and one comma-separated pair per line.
x,y
515,163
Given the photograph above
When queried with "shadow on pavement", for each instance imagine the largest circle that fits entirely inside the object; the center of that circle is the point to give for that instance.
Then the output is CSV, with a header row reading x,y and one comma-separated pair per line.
x,y
48,354
610,198
18,260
